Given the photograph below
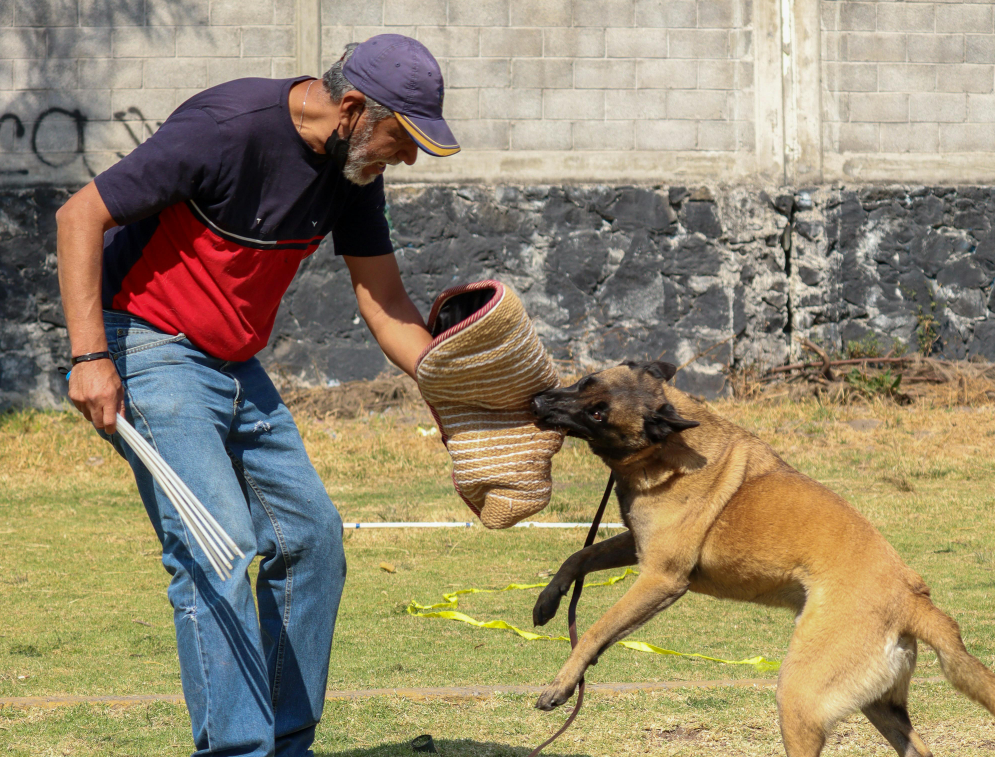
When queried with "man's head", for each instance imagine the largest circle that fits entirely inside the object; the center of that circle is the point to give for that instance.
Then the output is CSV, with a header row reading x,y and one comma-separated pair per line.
x,y
389,91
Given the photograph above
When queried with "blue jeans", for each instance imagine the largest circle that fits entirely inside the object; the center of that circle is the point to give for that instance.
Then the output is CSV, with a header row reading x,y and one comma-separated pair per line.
x,y
254,685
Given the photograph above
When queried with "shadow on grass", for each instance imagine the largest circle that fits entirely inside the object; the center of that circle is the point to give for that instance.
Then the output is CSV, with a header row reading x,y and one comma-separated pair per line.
x,y
449,748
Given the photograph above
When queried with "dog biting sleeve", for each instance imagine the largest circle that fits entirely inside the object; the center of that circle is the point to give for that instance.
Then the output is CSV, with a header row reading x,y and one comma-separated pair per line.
x,y
478,377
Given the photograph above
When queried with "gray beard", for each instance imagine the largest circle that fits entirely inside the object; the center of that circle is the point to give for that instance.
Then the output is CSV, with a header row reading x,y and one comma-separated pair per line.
x,y
358,157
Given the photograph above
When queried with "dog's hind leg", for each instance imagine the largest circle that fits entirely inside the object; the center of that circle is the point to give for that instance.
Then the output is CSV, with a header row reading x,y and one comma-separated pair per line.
x,y
893,721
617,552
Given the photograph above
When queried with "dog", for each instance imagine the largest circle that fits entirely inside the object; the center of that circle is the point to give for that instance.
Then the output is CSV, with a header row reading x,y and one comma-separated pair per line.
x,y
710,508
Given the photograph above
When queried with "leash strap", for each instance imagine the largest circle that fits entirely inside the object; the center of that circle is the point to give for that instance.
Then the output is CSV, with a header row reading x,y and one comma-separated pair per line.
x,y
572,617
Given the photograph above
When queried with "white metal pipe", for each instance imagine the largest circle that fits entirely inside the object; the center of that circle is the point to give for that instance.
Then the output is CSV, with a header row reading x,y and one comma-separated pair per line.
x,y
470,524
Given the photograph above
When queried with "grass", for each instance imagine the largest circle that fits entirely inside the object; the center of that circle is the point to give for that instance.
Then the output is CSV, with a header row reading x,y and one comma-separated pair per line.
x,y
82,594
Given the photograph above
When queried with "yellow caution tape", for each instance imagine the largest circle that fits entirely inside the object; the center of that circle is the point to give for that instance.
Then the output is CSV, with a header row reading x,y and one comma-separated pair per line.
x,y
448,611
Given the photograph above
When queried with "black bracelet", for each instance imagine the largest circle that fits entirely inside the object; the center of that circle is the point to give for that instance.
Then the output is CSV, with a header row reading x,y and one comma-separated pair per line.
x,y
90,356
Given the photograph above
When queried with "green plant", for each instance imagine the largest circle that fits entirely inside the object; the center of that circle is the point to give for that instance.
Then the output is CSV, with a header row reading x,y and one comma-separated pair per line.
x,y
867,346
885,383
927,333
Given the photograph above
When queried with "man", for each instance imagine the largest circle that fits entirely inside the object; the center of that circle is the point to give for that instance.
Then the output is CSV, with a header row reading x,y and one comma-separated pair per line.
x,y
206,224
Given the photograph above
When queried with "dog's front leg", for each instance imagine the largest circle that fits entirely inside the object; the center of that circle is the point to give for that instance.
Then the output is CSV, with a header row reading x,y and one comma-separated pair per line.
x,y
651,593
616,552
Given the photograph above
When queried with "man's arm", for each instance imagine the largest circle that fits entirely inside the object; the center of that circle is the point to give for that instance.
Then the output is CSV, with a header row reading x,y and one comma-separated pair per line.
x,y
390,314
94,387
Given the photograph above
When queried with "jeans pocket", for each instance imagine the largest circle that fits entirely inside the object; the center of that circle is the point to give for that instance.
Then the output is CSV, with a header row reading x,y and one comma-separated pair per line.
x,y
130,341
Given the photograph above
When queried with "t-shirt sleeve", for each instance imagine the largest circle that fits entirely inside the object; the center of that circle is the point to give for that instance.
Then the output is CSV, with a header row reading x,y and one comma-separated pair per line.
x,y
180,161
362,229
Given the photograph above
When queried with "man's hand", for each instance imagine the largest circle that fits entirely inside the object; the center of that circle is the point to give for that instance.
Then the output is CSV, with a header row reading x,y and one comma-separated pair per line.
x,y
96,391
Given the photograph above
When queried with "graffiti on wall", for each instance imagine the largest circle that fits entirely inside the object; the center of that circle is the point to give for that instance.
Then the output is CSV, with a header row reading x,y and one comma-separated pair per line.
x,y
55,118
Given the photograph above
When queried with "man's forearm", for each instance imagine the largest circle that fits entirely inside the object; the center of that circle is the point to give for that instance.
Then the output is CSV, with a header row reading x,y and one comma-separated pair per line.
x,y
400,332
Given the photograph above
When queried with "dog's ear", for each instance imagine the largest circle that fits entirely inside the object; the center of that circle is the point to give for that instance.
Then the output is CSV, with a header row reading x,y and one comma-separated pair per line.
x,y
660,370
664,422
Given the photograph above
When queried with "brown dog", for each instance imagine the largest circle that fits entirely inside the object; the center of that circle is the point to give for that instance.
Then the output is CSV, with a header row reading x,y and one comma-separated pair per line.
x,y
710,508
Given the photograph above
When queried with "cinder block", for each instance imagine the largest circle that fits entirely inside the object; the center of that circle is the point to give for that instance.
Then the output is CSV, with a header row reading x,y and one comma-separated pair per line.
x,y
167,73
718,14
602,135
285,68
573,104
450,41
152,104
699,43
352,13
859,137
830,45
740,43
6,79
603,13
858,77
666,135
54,73
903,138
637,43
669,14
6,13
541,135
936,48
859,46
363,33
905,17
478,72
717,136
103,13
604,74
272,41
857,17
511,43
743,105
706,105
981,108
540,13
210,41
482,135
57,136
478,12
544,73
830,137
180,96
974,19
173,13
978,79
89,42
573,43
112,136
717,74
515,104
220,70
333,42
22,43
239,12
746,137
45,13
967,138
463,103
31,102
640,104
979,49
285,12
938,108
109,72
667,74
907,77
879,107
829,14
148,42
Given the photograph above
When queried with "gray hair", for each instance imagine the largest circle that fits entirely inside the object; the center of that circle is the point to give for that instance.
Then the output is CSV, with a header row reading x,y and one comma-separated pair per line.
x,y
336,84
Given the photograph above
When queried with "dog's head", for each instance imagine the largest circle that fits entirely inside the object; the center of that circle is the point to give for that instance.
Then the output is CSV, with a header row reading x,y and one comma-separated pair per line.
x,y
619,411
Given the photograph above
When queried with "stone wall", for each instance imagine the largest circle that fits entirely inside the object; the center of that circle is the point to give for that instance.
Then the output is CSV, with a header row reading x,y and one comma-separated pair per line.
x,y
609,273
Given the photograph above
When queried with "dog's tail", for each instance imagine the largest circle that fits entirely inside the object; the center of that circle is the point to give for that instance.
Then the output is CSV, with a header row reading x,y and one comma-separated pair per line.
x,y
961,668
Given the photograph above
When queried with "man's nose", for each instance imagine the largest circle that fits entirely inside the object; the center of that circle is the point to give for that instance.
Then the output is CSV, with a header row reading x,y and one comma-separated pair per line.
x,y
409,153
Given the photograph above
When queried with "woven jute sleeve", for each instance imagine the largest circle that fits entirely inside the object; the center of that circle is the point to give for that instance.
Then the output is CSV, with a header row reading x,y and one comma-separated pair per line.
x,y
478,378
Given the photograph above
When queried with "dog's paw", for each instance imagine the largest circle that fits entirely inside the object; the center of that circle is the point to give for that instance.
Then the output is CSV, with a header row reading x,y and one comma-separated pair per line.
x,y
554,696
546,605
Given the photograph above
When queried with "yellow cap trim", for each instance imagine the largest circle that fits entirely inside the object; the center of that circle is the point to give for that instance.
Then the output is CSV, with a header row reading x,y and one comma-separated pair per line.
x,y
426,141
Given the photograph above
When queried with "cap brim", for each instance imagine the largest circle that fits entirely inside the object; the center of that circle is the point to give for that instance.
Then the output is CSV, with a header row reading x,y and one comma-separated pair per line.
x,y
431,135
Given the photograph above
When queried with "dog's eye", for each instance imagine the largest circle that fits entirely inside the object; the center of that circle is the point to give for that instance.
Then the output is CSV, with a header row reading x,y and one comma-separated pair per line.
x,y
596,415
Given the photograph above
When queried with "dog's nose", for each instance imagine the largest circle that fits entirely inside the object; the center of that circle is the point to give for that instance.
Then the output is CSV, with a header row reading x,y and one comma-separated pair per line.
x,y
536,405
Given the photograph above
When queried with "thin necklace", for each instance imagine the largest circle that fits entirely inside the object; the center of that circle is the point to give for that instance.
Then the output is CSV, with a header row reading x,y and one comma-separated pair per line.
x,y
306,91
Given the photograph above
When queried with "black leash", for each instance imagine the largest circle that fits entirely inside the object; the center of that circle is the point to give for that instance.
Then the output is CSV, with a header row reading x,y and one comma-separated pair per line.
x,y
572,617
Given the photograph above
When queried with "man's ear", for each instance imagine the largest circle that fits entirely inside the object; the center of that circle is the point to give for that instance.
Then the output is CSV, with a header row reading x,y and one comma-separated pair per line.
x,y
664,422
350,109
660,370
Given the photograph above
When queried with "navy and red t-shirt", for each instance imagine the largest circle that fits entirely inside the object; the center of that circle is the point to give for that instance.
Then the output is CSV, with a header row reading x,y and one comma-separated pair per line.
x,y
217,210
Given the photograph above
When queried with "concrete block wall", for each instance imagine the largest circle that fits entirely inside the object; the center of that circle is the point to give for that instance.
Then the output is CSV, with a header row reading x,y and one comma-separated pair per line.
x,y
589,75
83,81
902,77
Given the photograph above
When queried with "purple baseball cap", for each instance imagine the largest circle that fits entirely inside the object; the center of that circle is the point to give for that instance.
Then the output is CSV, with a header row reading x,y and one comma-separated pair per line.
x,y
401,74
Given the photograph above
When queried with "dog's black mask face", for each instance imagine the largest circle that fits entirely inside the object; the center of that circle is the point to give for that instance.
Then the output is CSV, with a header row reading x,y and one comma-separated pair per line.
x,y
618,411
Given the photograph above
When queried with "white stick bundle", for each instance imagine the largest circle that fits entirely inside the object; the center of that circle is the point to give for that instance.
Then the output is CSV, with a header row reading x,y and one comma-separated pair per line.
x,y
217,545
